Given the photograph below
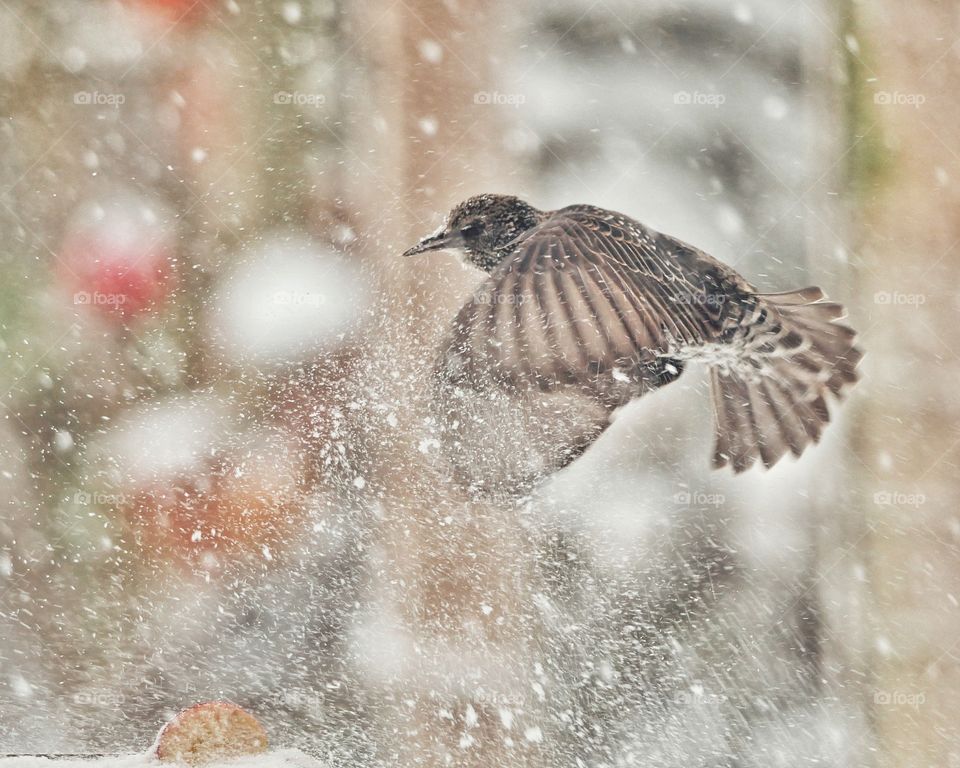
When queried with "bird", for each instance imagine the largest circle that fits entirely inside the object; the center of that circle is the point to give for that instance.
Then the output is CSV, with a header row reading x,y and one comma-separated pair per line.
x,y
591,309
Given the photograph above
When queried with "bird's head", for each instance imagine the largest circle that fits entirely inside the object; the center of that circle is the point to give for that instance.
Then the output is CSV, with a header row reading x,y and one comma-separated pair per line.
x,y
484,228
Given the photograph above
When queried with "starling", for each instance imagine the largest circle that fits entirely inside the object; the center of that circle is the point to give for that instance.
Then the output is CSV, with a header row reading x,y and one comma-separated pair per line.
x,y
590,303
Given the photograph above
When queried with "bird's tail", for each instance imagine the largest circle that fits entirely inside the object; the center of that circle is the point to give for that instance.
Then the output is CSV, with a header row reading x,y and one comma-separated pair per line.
x,y
773,400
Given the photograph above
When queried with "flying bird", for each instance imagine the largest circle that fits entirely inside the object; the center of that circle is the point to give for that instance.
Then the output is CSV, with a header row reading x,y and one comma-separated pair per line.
x,y
596,309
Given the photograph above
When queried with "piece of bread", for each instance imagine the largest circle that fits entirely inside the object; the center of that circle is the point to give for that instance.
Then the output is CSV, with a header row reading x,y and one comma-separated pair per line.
x,y
211,731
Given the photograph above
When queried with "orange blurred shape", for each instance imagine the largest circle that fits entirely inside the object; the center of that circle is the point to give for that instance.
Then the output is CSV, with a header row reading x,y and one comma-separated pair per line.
x,y
250,506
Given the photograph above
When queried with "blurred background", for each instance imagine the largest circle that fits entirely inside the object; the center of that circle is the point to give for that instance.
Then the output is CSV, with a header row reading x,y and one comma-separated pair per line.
x,y
215,466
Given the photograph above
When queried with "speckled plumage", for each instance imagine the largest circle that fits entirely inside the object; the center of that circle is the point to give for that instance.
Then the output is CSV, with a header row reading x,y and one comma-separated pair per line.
x,y
587,299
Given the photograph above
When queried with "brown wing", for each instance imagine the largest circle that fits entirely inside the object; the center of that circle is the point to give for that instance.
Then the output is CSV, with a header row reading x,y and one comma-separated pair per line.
x,y
590,293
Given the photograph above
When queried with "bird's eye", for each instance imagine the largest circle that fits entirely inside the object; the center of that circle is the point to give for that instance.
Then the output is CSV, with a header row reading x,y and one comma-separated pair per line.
x,y
471,229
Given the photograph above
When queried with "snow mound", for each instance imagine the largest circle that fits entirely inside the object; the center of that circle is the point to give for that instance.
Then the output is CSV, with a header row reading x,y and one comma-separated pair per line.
x,y
278,758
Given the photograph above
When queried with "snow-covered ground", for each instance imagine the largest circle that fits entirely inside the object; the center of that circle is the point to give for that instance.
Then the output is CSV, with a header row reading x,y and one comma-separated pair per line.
x,y
280,758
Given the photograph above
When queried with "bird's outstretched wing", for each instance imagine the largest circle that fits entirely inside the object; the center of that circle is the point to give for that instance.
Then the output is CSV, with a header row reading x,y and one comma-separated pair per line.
x,y
588,295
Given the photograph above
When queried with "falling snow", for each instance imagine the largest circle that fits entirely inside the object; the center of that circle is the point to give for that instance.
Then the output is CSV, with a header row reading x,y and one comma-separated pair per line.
x,y
235,464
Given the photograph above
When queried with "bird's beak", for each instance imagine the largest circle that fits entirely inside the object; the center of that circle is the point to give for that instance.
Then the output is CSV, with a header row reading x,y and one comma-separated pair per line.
x,y
436,243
